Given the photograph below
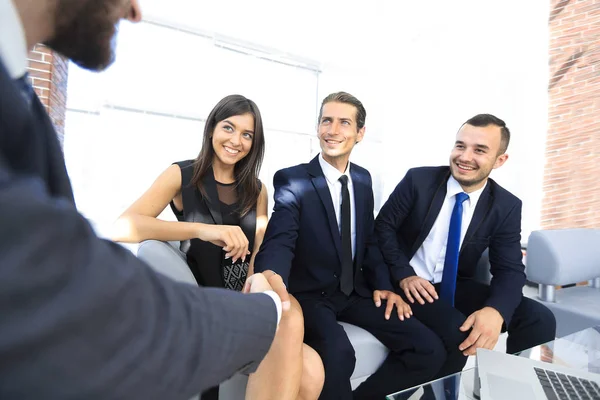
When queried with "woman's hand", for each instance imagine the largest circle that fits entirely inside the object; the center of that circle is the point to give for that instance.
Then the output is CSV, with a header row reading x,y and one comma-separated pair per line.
x,y
230,237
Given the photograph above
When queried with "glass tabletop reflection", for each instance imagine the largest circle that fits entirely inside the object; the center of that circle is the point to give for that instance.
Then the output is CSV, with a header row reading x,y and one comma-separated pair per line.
x,y
580,351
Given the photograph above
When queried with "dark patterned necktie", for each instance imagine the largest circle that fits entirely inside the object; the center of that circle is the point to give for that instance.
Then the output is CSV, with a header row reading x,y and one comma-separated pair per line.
x,y
347,279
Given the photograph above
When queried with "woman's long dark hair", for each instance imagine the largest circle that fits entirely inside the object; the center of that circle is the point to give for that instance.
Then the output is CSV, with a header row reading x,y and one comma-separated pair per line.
x,y
246,170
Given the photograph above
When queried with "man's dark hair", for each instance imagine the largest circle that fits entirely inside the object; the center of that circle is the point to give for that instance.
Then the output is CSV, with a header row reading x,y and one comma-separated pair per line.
x,y
483,120
347,98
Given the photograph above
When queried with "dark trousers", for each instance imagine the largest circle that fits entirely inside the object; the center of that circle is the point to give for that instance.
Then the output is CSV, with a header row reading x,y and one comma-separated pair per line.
x,y
531,324
416,353
210,394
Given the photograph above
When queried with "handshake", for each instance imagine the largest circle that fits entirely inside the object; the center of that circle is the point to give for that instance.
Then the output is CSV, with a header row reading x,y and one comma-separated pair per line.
x,y
268,281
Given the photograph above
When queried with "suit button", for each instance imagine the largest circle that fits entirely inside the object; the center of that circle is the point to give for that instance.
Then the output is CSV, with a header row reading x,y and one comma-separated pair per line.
x,y
335,275
323,294
361,268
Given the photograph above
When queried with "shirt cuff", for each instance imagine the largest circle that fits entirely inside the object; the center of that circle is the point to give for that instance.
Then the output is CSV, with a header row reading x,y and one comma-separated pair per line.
x,y
277,301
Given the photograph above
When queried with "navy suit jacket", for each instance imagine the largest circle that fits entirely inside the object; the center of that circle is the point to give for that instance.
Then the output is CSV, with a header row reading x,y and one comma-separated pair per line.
x,y
83,318
411,210
302,242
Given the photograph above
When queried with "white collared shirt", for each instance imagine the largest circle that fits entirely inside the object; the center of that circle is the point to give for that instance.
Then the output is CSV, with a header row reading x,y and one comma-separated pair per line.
x,y
13,47
428,261
332,176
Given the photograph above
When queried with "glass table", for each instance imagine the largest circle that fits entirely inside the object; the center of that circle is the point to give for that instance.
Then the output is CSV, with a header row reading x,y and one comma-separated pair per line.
x,y
580,350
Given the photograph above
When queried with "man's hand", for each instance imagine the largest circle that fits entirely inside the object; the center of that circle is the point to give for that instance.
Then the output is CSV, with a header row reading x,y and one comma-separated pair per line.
x,y
268,280
256,283
278,286
392,298
418,288
486,324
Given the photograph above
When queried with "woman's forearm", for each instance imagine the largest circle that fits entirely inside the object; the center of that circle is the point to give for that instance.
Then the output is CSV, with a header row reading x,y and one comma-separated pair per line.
x,y
137,228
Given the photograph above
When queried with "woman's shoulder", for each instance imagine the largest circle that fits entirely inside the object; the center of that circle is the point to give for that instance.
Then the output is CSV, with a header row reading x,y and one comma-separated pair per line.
x,y
184,164
187,170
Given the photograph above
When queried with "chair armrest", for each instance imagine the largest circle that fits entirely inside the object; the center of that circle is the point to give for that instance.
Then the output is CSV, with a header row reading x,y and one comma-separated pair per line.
x,y
164,258
561,257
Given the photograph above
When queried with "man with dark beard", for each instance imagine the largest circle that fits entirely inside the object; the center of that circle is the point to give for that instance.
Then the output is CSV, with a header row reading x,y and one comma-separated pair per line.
x,y
80,317
432,232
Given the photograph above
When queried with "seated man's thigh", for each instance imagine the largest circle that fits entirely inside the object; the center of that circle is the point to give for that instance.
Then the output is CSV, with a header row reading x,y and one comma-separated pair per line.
x,y
443,319
323,333
395,334
470,296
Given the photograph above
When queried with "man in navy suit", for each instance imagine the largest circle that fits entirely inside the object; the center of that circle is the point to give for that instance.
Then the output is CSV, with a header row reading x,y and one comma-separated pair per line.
x,y
432,232
320,239
81,317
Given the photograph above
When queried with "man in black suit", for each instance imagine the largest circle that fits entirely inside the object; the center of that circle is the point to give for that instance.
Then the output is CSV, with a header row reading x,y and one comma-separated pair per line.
x,y
320,239
432,232
81,317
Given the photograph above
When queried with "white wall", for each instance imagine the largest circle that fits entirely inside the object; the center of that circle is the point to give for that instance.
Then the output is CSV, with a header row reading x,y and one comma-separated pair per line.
x,y
448,61
420,68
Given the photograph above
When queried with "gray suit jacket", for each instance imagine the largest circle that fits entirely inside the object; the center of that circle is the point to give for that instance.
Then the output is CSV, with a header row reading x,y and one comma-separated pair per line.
x,y
81,317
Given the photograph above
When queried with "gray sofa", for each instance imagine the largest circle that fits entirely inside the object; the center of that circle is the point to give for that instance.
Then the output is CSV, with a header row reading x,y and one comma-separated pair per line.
x,y
563,257
167,259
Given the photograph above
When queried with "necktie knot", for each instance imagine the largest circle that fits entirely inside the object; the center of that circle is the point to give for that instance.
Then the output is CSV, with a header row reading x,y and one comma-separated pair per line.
x,y
344,180
461,197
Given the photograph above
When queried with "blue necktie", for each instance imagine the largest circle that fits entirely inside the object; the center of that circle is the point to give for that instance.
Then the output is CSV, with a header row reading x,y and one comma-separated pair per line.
x,y
448,287
25,87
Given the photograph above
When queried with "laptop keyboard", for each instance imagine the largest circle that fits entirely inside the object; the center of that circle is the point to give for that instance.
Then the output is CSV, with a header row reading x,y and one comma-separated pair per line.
x,y
559,386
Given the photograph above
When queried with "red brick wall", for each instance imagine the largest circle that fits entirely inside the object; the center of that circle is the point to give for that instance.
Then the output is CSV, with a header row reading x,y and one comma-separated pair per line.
x,y
49,74
572,172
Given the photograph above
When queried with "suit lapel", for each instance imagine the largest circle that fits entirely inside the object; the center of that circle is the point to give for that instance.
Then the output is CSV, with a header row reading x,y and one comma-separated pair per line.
x,y
56,171
320,184
212,199
481,210
33,149
359,209
434,210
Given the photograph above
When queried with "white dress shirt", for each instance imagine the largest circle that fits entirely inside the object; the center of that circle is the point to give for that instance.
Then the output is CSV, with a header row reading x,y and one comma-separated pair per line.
x,y
332,176
13,47
428,261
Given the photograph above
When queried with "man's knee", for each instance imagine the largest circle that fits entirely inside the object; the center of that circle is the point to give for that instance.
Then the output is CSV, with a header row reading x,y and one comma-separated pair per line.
x,y
439,354
546,321
429,347
452,336
534,324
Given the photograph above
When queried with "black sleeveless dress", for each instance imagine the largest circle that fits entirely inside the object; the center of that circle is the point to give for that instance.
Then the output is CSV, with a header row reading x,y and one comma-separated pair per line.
x,y
220,206
234,274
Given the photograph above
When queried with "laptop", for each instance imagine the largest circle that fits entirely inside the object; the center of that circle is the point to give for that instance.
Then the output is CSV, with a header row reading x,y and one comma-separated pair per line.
x,y
507,377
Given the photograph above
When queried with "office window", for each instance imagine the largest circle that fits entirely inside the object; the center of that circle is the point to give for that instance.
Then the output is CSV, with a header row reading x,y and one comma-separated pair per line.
x,y
125,126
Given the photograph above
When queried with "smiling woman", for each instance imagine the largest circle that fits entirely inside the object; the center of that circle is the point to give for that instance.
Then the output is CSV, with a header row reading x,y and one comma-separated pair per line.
x,y
233,146
221,208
